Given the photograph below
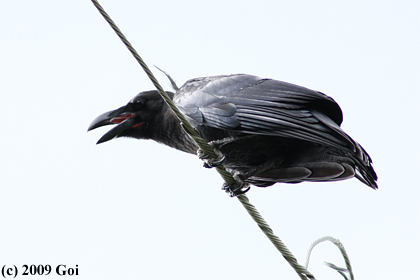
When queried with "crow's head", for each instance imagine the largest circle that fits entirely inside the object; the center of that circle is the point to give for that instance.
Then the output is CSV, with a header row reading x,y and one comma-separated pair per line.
x,y
136,119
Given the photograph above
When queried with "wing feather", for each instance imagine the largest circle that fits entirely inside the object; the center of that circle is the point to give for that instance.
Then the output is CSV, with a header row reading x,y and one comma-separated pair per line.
x,y
252,105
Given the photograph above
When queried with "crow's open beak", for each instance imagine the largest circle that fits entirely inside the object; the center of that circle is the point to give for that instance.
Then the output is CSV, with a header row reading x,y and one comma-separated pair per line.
x,y
123,120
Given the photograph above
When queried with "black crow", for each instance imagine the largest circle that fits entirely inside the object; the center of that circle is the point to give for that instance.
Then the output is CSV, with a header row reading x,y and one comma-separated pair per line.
x,y
267,131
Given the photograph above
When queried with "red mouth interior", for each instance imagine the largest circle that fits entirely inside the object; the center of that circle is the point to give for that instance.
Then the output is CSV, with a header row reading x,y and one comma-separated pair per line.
x,y
121,118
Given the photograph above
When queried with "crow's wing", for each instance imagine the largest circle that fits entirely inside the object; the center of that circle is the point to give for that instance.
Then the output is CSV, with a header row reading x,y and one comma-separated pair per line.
x,y
249,104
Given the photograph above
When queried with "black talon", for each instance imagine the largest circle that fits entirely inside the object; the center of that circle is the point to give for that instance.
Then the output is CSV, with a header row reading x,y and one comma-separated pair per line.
x,y
202,155
235,189
211,162
214,163
219,161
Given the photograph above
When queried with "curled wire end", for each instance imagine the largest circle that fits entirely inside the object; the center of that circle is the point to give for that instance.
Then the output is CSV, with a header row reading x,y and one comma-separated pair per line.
x,y
343,252
174,86
340,270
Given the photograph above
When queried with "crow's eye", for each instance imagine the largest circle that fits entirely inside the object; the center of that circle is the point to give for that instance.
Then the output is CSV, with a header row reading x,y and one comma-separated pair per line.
x,y
139,104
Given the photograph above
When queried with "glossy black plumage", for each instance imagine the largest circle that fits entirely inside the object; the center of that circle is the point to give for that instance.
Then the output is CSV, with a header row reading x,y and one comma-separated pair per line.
x,y
270,131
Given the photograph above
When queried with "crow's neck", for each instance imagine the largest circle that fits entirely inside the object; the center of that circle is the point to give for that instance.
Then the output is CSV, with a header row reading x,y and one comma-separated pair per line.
x,y
170,133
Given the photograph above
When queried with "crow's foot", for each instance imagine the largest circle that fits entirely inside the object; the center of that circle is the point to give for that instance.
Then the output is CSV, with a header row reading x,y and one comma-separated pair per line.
x,y
210,162
235,189
239,187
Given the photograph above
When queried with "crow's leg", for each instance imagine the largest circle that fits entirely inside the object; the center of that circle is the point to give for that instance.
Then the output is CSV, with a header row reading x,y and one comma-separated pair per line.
x,y
220,157
217,145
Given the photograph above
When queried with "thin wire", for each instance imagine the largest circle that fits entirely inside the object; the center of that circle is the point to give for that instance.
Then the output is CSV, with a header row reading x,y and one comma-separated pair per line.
x,y
256,216
207,149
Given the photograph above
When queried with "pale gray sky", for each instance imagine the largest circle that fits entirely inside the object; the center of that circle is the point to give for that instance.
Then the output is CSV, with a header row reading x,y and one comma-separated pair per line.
x,y
131,209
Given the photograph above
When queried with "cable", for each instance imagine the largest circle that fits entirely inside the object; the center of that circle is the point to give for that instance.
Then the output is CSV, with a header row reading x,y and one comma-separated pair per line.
x,y
208,150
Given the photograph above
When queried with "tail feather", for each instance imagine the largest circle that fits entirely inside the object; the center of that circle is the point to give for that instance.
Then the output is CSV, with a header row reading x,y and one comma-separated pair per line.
x,y
321,164
364,170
